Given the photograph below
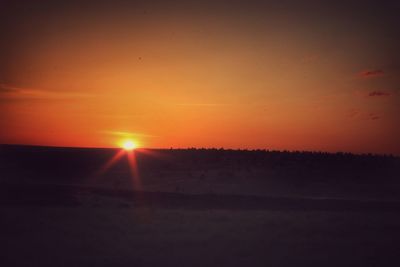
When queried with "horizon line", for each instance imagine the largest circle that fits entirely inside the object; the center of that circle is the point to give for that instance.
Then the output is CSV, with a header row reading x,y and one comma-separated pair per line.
x,y
215,148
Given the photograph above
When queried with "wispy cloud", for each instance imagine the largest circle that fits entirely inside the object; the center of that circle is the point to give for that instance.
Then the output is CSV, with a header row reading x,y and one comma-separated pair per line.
x,y
378,93
201,104
371,73
357,114
13,92
373,116
374,93
126,134
353,113
6,89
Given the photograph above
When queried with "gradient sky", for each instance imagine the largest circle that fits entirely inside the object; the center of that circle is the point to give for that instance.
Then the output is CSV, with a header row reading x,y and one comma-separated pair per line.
x,y
294,75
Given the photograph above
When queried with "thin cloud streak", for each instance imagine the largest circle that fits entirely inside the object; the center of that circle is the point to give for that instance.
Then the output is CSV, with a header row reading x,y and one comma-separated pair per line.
x,y
201,104
13,92
127,134
357,114
371,73
378,93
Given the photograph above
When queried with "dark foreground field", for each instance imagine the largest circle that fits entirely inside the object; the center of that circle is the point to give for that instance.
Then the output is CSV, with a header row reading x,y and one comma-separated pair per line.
x,y
61,207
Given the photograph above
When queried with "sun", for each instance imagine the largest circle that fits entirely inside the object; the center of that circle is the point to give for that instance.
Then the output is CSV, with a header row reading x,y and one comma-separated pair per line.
x,y
129,145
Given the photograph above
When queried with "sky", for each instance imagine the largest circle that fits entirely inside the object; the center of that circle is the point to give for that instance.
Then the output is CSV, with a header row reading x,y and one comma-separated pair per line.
x,y
279,75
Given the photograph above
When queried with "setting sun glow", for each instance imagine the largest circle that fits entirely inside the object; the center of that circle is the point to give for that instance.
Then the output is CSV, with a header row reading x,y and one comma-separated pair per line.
x,y
203,74
129,145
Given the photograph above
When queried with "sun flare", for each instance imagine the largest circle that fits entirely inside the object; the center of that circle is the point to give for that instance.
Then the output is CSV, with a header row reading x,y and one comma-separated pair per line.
x,y
129,145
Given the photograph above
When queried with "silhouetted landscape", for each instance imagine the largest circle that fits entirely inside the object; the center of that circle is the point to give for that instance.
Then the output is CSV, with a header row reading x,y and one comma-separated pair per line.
x,y
204,133
220,207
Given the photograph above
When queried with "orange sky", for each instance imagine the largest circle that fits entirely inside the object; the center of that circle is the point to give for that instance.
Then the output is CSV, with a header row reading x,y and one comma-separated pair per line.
x,y
199,75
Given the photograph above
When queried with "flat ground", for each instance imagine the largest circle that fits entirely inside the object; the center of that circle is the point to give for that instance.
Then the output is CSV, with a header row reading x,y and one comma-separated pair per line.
x,y
127,236
194,214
